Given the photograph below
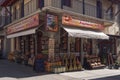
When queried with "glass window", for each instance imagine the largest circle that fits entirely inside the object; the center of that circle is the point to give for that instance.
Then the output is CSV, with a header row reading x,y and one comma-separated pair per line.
x,y
30,6
16,11
67,3
99,9
41,3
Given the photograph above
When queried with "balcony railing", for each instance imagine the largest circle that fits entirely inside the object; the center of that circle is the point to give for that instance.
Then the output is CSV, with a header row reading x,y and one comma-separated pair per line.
x,y
76,6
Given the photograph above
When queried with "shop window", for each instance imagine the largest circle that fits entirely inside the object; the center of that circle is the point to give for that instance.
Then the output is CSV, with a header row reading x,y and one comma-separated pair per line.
x,y
22,45
15,45
99,9
63,41
77,44
87,46
31,44
72,44
27,44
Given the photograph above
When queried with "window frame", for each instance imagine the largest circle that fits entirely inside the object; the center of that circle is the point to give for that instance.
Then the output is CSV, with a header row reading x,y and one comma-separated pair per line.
x,y
67,3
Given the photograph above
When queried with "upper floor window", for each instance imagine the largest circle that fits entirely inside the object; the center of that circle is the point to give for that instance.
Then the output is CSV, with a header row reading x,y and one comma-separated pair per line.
x,y
40,3
67,3
110,13
99,9
15,11
29,6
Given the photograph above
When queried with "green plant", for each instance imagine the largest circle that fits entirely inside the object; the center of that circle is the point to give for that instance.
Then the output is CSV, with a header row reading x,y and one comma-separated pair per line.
x,y
117,63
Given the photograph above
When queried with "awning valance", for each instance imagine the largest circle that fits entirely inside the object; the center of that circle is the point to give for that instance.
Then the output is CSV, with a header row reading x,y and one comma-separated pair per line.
x,y
81,33
27,32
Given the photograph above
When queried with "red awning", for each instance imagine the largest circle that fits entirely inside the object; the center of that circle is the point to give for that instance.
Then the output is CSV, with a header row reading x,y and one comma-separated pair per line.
x,y
6,2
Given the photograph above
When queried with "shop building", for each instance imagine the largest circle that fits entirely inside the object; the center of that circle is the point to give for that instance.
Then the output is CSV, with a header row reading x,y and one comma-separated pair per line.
x,y
4,20
68,39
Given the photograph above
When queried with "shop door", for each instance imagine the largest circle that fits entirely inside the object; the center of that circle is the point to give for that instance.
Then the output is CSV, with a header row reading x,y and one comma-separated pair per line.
x,y
105,48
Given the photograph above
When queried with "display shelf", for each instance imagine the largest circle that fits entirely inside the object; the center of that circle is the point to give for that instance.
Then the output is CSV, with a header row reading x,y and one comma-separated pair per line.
x,y
64,41
93,62
42,44
22,45
32,44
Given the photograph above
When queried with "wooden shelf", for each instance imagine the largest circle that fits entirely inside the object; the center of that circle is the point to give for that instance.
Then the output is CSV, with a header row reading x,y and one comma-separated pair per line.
x,y
93,62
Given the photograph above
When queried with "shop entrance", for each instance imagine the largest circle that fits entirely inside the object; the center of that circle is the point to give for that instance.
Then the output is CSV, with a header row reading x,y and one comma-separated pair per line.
x,y
70,49
107,47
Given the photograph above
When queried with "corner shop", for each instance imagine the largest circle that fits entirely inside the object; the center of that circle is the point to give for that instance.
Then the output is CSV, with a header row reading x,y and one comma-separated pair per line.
x,y
63,43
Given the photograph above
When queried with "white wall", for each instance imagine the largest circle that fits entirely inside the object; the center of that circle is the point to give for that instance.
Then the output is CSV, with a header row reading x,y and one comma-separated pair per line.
x,y
112,30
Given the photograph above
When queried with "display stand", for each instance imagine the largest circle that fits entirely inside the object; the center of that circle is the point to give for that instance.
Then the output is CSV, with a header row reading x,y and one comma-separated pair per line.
x,y
92,62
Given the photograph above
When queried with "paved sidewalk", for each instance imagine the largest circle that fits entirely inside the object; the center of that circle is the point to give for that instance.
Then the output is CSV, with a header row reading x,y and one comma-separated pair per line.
x,y
100,74
14,71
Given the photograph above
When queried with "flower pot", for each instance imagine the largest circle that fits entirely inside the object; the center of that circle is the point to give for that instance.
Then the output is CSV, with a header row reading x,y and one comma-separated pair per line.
x,y
116,67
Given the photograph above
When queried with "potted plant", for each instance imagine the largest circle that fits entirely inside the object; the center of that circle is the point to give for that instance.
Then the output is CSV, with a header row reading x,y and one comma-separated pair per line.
x,y
116,65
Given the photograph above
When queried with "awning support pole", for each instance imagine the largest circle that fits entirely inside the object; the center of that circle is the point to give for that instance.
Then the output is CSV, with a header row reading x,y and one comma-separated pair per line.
x,y
35,44
68,44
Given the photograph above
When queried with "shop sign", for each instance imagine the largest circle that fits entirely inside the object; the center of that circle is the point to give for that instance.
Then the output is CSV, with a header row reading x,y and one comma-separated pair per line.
x,y
52,22
28,23
70,21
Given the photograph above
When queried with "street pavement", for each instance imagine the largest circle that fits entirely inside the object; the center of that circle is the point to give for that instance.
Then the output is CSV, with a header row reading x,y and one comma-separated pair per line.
x,y
99,74
13,71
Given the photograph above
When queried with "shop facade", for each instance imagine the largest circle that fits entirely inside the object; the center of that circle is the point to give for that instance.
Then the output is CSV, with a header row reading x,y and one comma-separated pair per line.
x,y
82,41
63,41
22,39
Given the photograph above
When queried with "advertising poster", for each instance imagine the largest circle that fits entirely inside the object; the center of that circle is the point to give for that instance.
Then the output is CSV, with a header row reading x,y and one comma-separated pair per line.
x,y
52,22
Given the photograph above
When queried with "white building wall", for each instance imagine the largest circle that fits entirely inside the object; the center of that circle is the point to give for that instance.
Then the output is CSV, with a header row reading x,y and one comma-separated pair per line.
x,y
77,6
118,45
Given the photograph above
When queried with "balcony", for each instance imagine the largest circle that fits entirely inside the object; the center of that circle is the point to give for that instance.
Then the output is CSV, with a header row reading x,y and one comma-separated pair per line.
x,y
7,2
90,10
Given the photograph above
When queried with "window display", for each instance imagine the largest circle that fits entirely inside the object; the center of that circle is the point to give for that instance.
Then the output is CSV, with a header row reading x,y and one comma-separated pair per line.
x,y
64,41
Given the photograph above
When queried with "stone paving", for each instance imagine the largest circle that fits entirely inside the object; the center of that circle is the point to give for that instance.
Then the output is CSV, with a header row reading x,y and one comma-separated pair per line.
x,y
99,74
13,71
